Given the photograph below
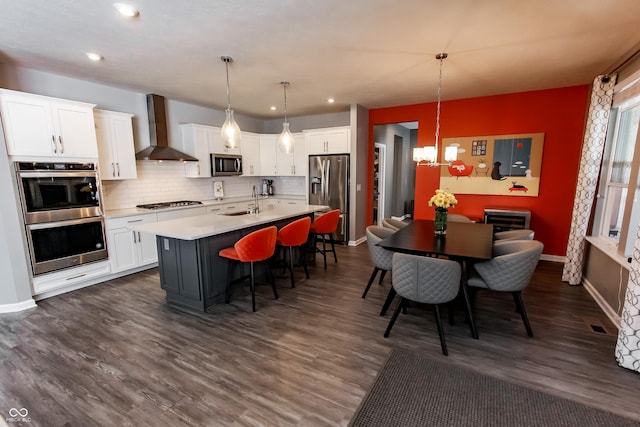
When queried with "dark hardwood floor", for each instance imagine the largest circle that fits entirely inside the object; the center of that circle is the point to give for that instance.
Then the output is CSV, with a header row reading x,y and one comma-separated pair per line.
x,y
115,354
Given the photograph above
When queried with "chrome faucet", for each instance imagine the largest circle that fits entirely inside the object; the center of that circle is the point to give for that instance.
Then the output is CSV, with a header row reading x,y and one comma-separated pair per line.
x,y
256,206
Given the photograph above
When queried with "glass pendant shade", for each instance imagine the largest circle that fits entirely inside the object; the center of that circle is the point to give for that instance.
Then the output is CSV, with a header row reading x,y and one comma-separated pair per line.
x,y
286,139
230,132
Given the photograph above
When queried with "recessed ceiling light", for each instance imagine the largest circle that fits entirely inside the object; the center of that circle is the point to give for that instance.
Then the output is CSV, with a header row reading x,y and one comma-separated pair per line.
x,y
126,10
273,108
94,56
331,100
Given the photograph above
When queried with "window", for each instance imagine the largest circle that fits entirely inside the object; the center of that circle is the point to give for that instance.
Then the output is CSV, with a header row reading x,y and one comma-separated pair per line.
x,y
618,206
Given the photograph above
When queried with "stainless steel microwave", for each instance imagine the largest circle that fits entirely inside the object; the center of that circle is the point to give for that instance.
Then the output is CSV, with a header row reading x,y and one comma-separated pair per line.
x,y
226,164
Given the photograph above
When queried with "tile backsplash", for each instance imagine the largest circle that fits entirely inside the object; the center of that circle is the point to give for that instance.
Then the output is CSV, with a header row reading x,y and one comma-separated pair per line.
x,y
166,181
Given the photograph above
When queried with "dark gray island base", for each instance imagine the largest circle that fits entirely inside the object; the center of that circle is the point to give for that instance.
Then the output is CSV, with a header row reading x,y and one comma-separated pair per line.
x,y
191,272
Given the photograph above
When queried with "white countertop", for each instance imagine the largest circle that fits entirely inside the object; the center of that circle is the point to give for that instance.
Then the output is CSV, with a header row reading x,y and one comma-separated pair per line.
x,y
196,227
116,213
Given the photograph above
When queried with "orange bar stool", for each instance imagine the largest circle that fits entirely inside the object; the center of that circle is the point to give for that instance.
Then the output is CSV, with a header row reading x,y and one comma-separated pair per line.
x,y
294,235
255,247
323,226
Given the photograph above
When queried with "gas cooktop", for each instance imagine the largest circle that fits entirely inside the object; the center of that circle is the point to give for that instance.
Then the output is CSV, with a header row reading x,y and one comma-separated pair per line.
x,y
164,205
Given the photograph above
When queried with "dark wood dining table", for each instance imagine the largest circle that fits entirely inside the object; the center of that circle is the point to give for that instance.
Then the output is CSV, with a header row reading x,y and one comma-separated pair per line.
x,y
464,242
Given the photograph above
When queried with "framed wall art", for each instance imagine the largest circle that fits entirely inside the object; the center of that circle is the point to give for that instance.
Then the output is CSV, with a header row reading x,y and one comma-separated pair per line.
x,y
507,165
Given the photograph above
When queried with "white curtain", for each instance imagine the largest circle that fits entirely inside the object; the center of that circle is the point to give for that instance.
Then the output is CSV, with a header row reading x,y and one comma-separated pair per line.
x,y
628,345
588,174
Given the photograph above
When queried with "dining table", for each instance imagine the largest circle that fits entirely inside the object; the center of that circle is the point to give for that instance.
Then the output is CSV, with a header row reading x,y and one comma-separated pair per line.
x,y
464,242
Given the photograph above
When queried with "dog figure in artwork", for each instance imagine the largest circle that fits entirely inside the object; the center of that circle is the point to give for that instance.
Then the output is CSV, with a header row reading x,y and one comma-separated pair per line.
x,y
495,172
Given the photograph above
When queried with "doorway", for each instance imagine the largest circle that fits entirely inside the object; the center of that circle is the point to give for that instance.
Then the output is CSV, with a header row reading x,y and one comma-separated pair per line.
x,y
394,143
379,156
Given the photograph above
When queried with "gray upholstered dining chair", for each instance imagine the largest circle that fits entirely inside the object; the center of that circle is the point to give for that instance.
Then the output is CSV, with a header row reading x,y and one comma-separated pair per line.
x,y
393,224
510,270
424,280
521,234
380,257
457,218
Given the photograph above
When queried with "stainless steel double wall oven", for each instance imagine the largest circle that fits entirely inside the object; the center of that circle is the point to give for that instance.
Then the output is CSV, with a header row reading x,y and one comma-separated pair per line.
x,y
62,214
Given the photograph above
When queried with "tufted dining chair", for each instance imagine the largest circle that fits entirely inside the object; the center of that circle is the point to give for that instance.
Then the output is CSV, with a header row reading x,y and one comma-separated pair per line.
x,y
380,257
393,224
424,280
457,218
521,234
510,270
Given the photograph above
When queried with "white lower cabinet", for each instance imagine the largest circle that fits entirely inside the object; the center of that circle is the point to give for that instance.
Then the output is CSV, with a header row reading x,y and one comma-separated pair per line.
x,y
59,281
129,249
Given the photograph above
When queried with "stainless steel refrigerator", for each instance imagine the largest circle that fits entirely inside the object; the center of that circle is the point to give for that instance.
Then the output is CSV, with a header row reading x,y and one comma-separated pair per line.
x,y
329,185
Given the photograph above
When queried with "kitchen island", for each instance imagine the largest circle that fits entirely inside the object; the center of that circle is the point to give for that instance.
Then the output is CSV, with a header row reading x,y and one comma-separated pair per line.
x,y
191,272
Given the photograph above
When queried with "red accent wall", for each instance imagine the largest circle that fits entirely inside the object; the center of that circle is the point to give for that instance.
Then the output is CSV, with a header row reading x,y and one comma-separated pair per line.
x,y
559,113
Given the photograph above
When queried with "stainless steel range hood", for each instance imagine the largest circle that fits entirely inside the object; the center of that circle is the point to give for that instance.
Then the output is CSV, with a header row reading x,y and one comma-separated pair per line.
x,y
159,148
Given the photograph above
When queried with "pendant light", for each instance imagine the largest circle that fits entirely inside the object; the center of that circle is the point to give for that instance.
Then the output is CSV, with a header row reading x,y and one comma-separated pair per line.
x,y
285,140
429,155
230,131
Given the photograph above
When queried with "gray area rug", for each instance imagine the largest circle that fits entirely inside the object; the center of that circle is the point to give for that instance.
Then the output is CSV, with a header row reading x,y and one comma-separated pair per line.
x,y
413,390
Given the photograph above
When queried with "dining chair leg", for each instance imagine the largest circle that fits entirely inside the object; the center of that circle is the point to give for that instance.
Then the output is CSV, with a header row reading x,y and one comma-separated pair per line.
x,y
443,344
467,301
394,317
253,288
517,297
387,301
384,273
371,279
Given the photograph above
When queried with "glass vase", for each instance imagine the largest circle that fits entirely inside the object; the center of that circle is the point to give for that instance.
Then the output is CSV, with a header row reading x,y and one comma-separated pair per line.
x,y
440,223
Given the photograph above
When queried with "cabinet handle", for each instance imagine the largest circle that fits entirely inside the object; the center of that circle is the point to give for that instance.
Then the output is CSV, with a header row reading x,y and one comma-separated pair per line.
x,y
113,169
76,277
133,220
118,165
134,238
61,144
55,146
139,239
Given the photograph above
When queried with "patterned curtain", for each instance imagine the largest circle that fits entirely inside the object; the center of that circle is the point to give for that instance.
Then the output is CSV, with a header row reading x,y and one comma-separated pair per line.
x,y
628,345
588,174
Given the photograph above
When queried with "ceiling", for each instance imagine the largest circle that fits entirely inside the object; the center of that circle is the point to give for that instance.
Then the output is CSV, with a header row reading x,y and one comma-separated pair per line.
x,y
377,53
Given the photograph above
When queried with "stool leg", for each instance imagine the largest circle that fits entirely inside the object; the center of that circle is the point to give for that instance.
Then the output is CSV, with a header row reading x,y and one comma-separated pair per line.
x,y
291,266
333,249
272,281
227,291
253,289
324,251
303,261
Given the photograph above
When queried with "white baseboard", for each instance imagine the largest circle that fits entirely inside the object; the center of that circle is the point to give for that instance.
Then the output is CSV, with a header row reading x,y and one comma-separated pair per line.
x,y
19,306
554,258
606,308
357,242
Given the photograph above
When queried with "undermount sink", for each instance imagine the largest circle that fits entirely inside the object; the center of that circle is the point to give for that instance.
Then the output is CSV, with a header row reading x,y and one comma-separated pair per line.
x,y
235,213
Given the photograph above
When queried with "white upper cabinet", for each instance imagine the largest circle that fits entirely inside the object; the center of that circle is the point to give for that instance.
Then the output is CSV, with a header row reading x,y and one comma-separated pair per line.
x,y
196,141
250,150
116,151
39,126
328,140
300,156
216,144
268,156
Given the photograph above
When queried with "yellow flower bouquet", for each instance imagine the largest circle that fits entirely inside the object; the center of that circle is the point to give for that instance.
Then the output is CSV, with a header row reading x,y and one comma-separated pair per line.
x,y
442,199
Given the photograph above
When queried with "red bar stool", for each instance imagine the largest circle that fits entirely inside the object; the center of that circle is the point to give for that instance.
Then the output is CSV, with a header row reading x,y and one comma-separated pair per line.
x,y
257,246
325,225
294,235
